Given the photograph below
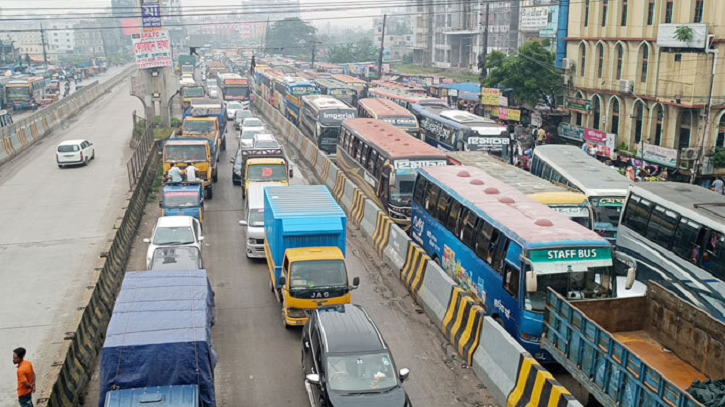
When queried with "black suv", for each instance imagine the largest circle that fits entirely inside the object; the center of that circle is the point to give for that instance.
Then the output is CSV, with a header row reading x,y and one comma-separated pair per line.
x,y
346,361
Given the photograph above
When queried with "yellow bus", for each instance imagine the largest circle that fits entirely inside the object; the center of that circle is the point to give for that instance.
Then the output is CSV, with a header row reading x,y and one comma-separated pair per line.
x,y
22,93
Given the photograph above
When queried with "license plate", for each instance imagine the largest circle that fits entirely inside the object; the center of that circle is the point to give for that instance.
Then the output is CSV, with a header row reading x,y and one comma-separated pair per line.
x,y
69,155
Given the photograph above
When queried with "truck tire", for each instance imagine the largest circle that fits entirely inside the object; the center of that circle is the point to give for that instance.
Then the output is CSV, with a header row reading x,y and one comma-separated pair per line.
x,y
224,144
215,177
208,193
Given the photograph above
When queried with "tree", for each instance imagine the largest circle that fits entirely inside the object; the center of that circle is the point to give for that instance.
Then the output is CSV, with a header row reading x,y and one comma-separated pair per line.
x,y
530,73
291,36
362,50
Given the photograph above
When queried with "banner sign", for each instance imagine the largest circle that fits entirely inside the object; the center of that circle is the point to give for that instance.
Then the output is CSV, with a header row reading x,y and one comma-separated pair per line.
x,y
151,17
152,49
505,113
578,105
606,141
490,97
571,132
534,18
659,155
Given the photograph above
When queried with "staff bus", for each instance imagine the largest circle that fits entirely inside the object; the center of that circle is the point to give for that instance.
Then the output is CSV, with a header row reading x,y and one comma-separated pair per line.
x,y
505,249
674,233
21,93
294,89
337,89
604,187
233,87
321,118
573,205
458,130
405,99
389,112
382,161
356,83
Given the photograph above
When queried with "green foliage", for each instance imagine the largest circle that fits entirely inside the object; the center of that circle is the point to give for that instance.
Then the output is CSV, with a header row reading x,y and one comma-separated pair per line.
x,y
291,36
683,33
719,159
363,50
530,73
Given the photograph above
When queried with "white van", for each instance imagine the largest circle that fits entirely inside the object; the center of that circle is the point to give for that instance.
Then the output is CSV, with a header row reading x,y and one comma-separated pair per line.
x,y
254,207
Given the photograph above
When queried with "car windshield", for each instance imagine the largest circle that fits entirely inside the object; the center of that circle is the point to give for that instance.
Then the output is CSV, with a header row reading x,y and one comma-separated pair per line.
x,y
173,235
266,172
256,218
243,114
366,373
253,122
181,199
234,106
317,274
176,258
198,127
186,153
68,148
250,133
266,144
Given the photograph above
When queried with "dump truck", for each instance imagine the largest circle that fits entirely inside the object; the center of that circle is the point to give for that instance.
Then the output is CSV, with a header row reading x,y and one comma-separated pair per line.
x,y
305,235
637,351
197,151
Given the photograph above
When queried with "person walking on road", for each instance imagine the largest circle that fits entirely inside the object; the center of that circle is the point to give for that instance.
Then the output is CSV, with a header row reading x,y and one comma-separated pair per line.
x,y
191,173
26,378
717,186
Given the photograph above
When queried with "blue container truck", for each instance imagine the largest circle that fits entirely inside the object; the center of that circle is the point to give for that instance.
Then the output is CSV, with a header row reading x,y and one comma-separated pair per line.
x,y
638,351
305,236
162,396
160,336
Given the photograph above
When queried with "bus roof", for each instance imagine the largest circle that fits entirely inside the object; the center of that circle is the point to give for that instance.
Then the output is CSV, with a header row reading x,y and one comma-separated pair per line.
x,y
533,224
332,83
385,107
523,181
407,96
348,79
396,142
224,76
321,102
586,173
692,201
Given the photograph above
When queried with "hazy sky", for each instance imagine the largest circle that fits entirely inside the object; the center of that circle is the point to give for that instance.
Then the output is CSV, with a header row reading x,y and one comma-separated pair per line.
x,y
37,5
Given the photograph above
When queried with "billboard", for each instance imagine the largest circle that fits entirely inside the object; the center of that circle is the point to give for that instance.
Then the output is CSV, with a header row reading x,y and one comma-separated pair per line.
x,y
534,18
151,17
152,49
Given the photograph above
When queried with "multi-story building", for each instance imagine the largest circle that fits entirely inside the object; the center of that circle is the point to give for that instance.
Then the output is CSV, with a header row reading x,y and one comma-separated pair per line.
x,y
398,35
88,39
25,43
423,32
643,70
60,38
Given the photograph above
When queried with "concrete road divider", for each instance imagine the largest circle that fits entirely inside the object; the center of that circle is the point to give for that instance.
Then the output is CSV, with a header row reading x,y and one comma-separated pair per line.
x,y
339,186
332,175
462,324
348,194
395,252
325,170
369,218
535,386
358,207
413,271
436,293
381,236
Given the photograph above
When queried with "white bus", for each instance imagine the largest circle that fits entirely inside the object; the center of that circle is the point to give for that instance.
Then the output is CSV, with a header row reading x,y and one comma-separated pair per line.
x,y
675,233
605,188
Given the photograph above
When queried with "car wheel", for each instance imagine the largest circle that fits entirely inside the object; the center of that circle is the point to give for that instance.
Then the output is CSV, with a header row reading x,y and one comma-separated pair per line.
x,y
93,157
60,166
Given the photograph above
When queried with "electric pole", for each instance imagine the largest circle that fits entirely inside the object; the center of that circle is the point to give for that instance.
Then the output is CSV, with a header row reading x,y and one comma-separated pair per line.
x,y
42,39
312,63
382,47
484,49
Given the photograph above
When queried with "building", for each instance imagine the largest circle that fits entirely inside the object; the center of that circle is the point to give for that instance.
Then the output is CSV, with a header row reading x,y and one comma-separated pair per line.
x,y
60,38
88,39
25,43
538,21
398,35
629,75
423,33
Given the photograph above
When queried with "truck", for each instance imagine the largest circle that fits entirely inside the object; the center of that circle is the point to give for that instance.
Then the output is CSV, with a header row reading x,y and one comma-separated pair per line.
x,y
210,108
189,94
197,151
187,64
637,351
184,199
151,350
305,235
264,165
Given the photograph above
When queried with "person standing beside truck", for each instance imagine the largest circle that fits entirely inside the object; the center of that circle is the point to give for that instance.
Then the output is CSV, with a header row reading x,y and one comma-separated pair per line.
x,y
26,378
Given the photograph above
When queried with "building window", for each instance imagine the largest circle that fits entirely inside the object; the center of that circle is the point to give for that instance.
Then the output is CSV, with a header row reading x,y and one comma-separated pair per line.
x,y
620,59
659,122
699,9
720,143
686,126
615,116
605,10
600,60
583,59
645,63
638,122
596,112
669,10
586,13
578,119
624,12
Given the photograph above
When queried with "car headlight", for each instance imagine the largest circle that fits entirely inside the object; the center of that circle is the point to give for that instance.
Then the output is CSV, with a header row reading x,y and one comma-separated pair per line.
x,y
296,313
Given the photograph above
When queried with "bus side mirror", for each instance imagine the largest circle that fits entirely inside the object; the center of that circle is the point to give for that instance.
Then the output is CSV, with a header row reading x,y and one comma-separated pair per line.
x,y
355,282
631,274
282,281
531,282
291,173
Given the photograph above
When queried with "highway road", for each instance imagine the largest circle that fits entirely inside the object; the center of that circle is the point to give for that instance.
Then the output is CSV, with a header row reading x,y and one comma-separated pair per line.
x,y
259,360
53,223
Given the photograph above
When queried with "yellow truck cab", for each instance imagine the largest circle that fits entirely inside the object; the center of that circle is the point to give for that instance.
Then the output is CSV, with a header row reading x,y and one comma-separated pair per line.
x,y
181,151
273,169
190,94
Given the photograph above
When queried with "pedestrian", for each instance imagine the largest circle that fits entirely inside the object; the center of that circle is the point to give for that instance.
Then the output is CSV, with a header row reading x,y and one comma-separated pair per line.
x,y
174,174
540,136
717,186
191,172
26,378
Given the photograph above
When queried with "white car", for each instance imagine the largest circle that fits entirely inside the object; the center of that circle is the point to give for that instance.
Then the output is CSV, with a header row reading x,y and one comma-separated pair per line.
x,y
240,116
174,231
232,108
71,152
213,93
250,127
264,140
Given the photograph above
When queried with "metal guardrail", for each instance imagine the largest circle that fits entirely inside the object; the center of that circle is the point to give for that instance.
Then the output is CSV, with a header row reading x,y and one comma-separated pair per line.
x,y
135,165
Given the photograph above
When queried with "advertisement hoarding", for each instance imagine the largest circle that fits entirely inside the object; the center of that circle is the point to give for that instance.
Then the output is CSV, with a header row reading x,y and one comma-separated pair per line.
x,y
152,49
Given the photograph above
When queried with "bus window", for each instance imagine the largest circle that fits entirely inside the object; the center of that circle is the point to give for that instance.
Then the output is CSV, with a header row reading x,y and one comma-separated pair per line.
x,y
371,161
686,243
442,211
378,166
546,173
661,227
419,194
713,259
469,225
432,198
511,280
484,240
499,251
453,217
637,214
364,156
357,148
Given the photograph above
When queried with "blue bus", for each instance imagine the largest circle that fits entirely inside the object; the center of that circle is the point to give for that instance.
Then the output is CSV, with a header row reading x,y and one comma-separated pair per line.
x,y
449,129
294,89
505,249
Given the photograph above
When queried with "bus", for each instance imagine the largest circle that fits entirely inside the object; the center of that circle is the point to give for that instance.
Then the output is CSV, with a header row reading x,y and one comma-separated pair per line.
x,y
356,83
412,89
674,233
294,89
404,98
233,87
604,187
21,93
6,120
504,249
346,93
573,205
382,160
272,88
321,118
389,112
458,130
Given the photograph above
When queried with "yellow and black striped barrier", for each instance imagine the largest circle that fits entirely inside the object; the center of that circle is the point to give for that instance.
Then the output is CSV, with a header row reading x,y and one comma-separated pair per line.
x,y
382,232
339,186
358,207
462,324
535,386
413,272
325,170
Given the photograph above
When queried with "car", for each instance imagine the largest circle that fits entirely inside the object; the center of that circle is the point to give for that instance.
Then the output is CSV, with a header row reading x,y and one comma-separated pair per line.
x,y
232,108
213,93
187,82
174,231
264,140
346,361
250,127
237,168
176,258
73,152
240,116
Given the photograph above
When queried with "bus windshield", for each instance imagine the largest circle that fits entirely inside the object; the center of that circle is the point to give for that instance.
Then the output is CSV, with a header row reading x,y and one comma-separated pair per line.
x,y
596,282
402,193
579,214
193,92
328,139
607,210
17,93
302,90
237,91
